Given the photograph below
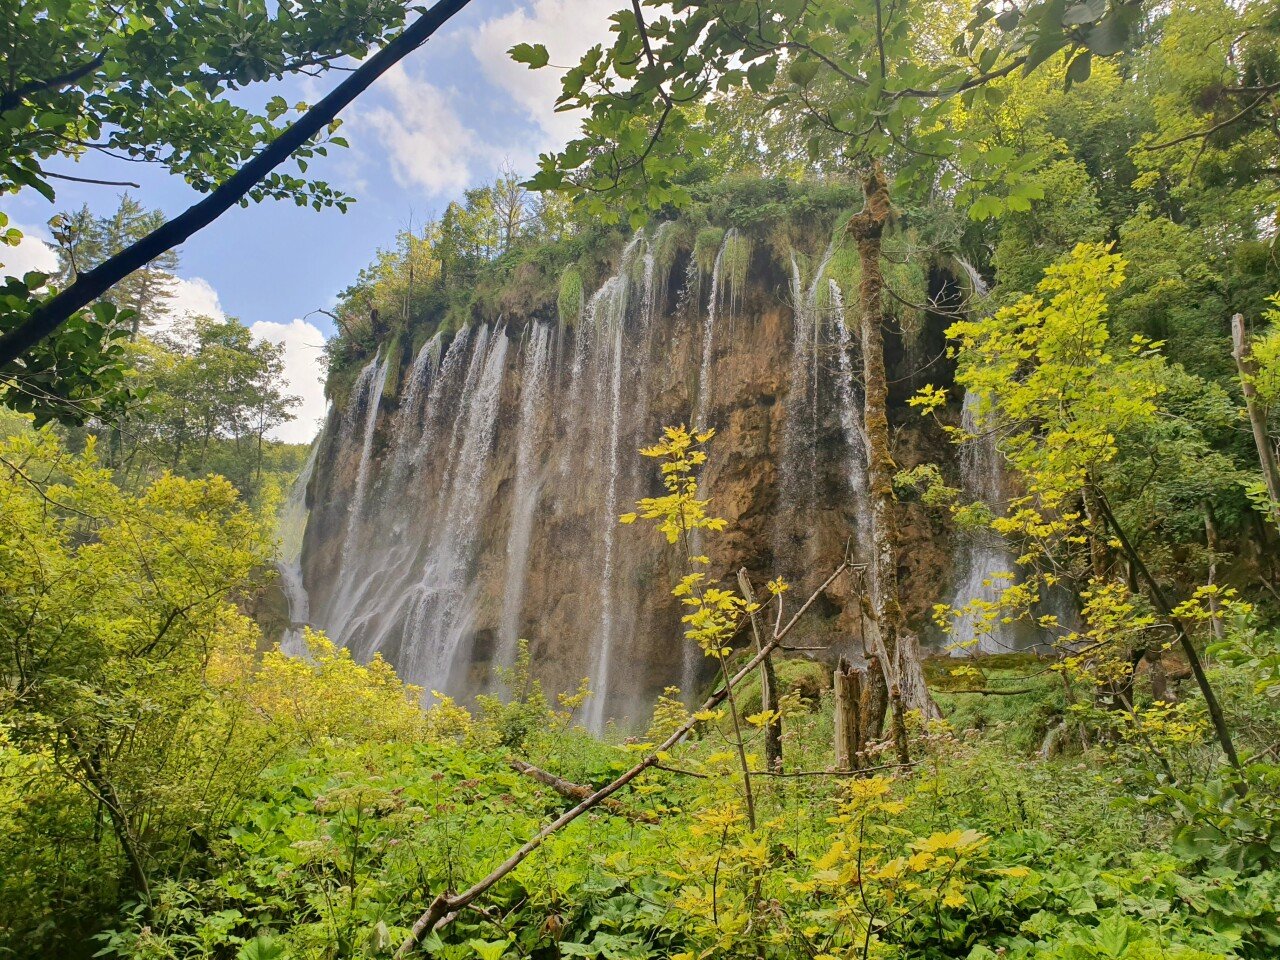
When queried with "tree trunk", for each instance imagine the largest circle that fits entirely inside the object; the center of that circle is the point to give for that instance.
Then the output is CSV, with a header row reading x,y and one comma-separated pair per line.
x,y
1248,367
1101,560
848,719
874,701
1212,545
898,649
88,760
1162,605
768,686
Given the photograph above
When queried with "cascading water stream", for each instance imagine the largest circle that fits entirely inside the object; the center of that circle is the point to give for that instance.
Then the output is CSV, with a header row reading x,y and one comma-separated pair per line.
x,y
985,560
851,417
409,422
368,388
528,486
706,382
798,465
441,618
293,524
604,657
606,320
693,657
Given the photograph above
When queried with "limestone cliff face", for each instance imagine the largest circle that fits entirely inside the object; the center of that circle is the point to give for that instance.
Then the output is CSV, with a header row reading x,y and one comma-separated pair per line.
x,y
468,495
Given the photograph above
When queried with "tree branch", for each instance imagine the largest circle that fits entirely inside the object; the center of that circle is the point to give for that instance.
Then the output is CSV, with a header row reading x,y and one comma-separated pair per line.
x,y
51,314
100,183
576,791
14,98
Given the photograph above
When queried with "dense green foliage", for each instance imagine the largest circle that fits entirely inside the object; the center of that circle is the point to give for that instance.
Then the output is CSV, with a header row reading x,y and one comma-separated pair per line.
x,y
173,788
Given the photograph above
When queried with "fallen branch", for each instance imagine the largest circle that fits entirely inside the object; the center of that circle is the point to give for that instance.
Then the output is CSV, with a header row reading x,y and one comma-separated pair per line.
x,y
576,791
988,692
840,773
445,906
682,772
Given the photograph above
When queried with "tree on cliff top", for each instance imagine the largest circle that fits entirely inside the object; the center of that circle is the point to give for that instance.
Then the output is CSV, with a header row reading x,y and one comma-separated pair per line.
x,y
865,83
155,82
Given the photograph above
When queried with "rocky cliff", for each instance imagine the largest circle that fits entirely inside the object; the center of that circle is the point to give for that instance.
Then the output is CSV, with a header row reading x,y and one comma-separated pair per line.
x,y
466,494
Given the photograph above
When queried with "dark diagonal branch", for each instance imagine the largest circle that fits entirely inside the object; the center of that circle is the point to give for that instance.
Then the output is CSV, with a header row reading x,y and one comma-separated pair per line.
x,y
50,315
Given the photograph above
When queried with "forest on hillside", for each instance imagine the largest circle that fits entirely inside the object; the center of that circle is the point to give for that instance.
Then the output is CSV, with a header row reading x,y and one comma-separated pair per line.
x,y
1079,199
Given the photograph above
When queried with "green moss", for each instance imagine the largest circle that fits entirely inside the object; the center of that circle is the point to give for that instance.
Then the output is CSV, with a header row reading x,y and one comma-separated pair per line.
x,y
907,277
706,246
845,268
668,238
736,263
1023,718
807,678
395,359
569,303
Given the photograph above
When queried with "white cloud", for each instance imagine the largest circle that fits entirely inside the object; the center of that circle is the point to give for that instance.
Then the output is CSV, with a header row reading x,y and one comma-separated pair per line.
x,y
32,253
567,28
303,373
429,145
195,297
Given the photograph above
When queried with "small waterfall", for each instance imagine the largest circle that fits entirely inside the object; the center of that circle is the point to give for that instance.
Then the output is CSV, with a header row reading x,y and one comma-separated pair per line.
x,y
606,319
368,391
694,659
706,383
409,423
851,422
293,524
457,437
602,671
798,467
528,486
441,619
454,361
985,559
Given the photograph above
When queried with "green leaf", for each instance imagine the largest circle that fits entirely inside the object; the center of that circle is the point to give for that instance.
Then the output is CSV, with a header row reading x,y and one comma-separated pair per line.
x,y
1088,11
1080,68
533,54
262,948
489,949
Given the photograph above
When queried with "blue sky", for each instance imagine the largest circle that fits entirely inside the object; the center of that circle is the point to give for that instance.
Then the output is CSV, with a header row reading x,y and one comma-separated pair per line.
x,y
445,119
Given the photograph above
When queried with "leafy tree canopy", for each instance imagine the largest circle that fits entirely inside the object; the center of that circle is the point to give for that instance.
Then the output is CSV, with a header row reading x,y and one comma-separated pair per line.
x,y
863,78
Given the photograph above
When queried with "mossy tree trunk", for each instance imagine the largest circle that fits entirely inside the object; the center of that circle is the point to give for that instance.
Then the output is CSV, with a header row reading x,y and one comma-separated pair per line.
x,y
898,649
1242,351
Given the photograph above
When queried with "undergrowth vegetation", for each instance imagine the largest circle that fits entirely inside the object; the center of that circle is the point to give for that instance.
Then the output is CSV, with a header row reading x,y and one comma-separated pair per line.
x,y
980,850
322,805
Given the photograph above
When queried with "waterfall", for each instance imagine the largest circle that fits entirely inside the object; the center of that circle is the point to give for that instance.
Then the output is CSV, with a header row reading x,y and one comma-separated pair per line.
x,y
693,657
528,484
851,423
985,560
440,620
706,384
601,673
798,466
470,384
410,427
483,503
293,524
367,390
606,318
